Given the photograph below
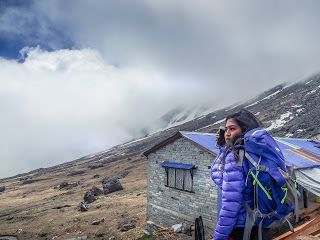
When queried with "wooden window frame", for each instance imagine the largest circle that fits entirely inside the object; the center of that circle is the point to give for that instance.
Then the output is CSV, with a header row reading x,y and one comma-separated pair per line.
x,y
175,179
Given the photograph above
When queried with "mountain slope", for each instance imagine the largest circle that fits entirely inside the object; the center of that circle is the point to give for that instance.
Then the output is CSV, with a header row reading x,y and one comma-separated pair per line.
x,y
285,110
39,210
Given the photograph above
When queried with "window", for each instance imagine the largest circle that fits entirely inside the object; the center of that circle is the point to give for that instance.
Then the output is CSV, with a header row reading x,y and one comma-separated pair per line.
x,y
179,175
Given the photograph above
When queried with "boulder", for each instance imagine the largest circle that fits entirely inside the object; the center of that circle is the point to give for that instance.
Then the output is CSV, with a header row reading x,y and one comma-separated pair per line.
x,y
127,226
96,191
90,195
97,222
67,186
2,188
111,185
94,166
83,207
28,181
74,173
43,234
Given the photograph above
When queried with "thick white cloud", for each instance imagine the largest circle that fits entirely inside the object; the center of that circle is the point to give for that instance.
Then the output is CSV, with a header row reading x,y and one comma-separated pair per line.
x,y
247,45
61,105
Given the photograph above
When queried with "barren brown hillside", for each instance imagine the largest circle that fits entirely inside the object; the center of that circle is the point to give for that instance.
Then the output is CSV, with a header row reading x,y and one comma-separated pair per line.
x,y
40,211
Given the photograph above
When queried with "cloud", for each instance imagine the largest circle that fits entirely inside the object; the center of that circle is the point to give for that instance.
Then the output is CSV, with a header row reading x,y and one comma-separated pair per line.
x,y
65,104
234,44
22,25
106,69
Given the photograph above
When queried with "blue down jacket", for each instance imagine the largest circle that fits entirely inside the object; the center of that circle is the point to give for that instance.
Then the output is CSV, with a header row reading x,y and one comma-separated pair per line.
x,y
229,178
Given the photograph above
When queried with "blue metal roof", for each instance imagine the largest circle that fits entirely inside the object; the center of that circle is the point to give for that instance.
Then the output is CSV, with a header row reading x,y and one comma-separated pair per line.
x,y
309,145
302,153
206,140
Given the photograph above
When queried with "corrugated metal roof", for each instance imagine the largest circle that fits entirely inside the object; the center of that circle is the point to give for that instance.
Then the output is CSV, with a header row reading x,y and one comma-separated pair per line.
x,y
302,153
206,140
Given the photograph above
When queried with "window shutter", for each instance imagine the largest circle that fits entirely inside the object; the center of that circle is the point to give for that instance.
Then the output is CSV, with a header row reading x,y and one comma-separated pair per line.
x,y
171,177
188,181
179,178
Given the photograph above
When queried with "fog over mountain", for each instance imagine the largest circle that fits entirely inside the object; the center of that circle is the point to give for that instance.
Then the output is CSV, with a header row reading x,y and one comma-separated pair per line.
x,y
79,77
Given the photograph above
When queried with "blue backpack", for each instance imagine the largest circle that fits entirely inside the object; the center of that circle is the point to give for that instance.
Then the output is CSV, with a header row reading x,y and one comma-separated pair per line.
x,y
271,181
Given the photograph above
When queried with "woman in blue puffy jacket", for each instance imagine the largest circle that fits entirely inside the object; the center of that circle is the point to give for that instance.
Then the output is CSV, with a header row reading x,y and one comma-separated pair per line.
x,y
228,175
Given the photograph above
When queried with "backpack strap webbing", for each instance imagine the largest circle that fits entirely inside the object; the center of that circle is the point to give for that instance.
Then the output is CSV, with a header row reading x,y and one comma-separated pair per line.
x,y
252,215
258,169
292,188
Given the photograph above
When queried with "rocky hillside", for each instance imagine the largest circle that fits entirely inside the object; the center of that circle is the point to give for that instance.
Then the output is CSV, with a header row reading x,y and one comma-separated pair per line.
x,y
46,203
285,110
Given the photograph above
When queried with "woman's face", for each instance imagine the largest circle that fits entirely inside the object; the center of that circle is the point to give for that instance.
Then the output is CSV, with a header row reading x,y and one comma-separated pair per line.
x,y
232,130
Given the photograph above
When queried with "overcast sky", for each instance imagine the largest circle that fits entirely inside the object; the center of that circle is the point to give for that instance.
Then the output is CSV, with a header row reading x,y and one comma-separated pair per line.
x,y
78,77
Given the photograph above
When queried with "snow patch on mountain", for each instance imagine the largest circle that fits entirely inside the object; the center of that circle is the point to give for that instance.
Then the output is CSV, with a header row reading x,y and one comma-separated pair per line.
x,y
286,117
309,81
296,106
135,141
217,122
265,98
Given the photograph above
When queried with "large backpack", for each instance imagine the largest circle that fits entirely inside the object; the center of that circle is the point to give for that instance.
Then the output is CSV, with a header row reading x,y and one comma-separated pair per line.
x,y
272,182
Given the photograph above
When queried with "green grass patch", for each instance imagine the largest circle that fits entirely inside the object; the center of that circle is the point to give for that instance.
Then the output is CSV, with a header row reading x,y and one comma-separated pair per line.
x,y
146,237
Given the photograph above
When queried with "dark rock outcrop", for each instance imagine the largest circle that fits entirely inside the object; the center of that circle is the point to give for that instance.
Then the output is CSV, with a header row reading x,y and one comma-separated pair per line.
x,y
111,185
2,188
67,186
74,173
97,222
94,166
127,224
127,227
28,181
90,195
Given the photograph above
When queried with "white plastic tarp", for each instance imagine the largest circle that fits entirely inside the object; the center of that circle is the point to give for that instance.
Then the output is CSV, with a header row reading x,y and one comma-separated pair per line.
x,y
309,178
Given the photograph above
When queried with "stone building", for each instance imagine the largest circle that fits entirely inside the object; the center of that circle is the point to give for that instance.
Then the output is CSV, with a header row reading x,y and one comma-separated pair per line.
x,y
179,184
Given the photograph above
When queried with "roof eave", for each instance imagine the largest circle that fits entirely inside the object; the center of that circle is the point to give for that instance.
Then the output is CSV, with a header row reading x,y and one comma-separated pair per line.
x,y
177,135
163,143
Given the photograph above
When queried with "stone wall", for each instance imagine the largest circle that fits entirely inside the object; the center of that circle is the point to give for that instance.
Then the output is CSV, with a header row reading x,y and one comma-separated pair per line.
x,y
168,206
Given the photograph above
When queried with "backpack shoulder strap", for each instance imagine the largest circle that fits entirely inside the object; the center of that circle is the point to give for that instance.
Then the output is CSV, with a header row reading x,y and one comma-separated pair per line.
x,y
241,156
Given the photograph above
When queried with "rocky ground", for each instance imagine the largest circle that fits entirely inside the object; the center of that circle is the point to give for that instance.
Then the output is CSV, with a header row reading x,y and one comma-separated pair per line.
x,y
35,206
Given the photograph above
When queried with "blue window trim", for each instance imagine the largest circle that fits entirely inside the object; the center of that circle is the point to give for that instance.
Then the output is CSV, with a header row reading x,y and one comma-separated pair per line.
x,y
168,164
